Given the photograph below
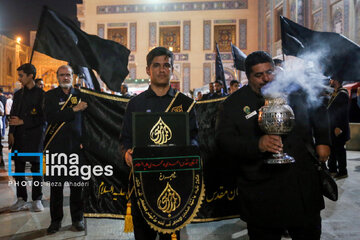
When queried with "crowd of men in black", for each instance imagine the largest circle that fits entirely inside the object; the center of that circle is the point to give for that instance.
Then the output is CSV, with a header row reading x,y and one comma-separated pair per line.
x,y
272,198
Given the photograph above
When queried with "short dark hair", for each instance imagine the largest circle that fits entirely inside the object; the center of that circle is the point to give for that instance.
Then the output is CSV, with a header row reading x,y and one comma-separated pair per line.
x,y
278,61
255,58
28,68
38,80
219,82
125,86
159,51
234,82
1,90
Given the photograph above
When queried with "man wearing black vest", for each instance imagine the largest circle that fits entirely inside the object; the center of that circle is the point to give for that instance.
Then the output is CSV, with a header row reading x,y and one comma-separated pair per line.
x,y
157,98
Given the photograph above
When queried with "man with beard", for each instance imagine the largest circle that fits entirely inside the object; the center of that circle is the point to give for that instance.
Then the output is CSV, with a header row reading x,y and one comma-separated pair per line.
x,y
338,108
208,95
218,85
63,108
274,197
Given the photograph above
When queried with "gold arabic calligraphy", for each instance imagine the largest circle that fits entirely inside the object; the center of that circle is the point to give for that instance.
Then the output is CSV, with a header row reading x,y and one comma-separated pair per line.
x,y
163,177
103,190
160,133
169,200
229,194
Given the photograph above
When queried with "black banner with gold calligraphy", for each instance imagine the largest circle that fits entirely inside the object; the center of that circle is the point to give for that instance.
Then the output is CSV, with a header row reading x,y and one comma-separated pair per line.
x,y
168,185
105,195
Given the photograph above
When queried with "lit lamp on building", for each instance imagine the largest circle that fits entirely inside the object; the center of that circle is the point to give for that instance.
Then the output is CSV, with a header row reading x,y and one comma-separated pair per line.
x,y
18,40
171,48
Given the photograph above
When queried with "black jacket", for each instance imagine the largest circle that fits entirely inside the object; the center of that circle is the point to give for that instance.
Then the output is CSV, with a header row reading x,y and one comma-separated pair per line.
x,y
27,105
68,139
273,195
338,108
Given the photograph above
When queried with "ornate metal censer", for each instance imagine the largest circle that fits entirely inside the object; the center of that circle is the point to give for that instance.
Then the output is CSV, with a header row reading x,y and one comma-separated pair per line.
x,y
277,118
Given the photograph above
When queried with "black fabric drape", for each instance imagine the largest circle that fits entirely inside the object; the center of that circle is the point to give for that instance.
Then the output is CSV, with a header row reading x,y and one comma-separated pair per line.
x,y
104,197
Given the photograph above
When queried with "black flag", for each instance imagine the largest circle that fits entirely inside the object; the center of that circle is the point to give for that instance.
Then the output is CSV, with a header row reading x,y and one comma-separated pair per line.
x,y
239,58
61,38
219,69
338,56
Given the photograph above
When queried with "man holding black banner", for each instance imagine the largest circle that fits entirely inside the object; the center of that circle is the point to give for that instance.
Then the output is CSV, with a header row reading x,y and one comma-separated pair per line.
x,y
274,197
63,108
157,98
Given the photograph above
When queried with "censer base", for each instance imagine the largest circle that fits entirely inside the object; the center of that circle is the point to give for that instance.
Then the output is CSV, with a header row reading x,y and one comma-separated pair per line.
x,y
280,158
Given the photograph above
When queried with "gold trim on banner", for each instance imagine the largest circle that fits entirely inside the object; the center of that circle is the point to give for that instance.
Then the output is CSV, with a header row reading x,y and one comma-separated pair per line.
x,y
52,137
172,101
191,106
196,220
62,108
196,209
106,96
211,100
103,215
203,220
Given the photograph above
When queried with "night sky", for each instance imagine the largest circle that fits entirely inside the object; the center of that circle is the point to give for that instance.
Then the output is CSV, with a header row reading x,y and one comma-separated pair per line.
x,y
19,17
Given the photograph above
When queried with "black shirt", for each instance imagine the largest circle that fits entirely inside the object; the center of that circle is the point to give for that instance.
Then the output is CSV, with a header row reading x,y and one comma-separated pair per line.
x,y
148,101
27,106
68,139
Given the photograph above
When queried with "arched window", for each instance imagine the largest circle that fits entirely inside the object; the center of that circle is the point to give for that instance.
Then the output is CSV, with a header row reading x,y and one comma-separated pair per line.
x,y
9,67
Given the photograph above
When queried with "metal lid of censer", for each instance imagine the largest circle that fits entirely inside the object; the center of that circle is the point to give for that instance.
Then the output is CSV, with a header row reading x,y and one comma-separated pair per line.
x,y
276,117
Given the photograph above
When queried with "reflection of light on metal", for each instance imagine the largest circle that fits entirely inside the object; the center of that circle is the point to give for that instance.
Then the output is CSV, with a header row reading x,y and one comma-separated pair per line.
x,y
18,39
171,48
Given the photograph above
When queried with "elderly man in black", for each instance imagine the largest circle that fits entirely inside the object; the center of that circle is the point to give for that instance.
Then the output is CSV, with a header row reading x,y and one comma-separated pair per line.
x,y
63,107
156,99
26,135
274,198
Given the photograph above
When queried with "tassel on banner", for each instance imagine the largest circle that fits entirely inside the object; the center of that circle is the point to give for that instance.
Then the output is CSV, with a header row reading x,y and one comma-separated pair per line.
x,y
173,236
128,225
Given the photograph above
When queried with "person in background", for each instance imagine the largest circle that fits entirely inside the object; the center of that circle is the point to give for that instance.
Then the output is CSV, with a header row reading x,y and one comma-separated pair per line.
x,y
210,93
278,62
338,108
199,96
77,86
124,91
40,83
218,85
234,86
3,101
